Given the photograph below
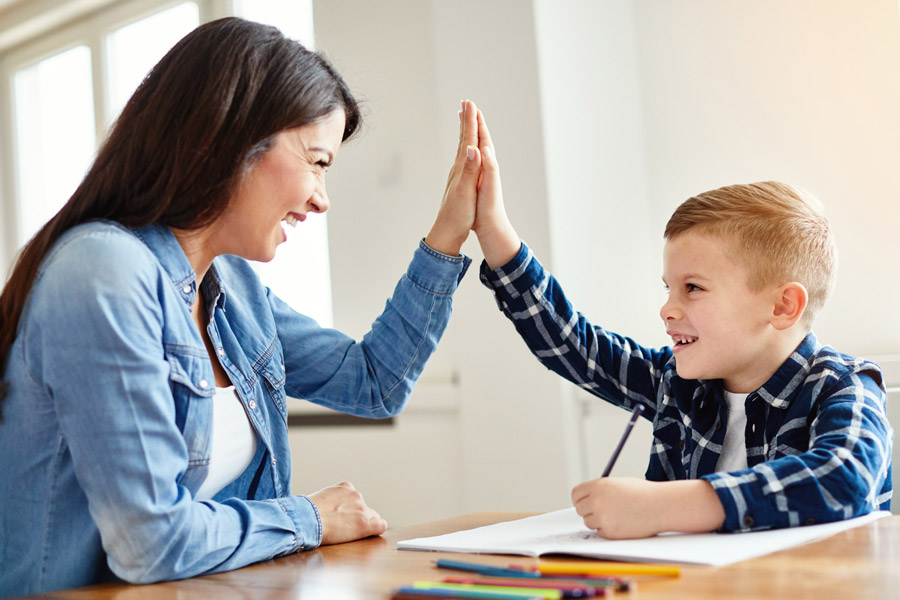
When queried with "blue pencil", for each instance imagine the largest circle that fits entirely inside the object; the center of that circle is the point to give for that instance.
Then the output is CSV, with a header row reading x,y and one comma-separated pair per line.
x,y
490,570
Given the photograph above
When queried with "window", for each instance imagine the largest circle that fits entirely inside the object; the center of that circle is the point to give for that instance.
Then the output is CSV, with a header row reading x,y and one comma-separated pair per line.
x,y
54,133
67,88
300,273
132,50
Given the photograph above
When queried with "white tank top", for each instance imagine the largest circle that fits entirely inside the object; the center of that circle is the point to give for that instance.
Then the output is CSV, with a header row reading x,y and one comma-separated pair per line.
x,y
734,448
233,443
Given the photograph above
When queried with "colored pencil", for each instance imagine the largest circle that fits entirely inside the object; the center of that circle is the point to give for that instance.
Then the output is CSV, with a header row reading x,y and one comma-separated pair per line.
x,y
569,590
605,568
474,594
488,570
544,594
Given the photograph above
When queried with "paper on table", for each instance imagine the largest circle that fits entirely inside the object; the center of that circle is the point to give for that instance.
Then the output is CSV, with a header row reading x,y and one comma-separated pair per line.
x,y
563,532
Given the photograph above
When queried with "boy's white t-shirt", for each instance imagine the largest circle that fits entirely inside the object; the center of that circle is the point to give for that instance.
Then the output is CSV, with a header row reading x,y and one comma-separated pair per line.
x,y
233,443
734,448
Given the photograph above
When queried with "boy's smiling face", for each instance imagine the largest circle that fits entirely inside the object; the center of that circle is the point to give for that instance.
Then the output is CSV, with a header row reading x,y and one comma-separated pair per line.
x,y
720,328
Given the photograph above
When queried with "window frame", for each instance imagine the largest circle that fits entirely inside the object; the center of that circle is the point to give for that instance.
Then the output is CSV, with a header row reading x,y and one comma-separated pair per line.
x,y
89,27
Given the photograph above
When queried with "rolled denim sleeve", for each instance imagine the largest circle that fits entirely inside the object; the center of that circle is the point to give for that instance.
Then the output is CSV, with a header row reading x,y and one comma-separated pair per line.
x,y
373,377
95,340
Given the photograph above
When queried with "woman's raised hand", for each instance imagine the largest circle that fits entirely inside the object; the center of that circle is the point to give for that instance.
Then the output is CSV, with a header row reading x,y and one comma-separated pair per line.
x,y
457,213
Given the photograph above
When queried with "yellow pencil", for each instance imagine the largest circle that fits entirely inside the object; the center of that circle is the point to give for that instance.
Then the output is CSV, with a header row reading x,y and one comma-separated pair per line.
x,y
606,568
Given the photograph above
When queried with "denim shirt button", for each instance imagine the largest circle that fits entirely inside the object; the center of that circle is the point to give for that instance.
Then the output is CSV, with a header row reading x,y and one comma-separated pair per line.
x,y
221,351
252,404
274,460
203,384
282,369
186,289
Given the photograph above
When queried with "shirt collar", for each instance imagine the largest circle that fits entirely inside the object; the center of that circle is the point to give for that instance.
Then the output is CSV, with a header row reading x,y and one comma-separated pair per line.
x,y
164,245
787,381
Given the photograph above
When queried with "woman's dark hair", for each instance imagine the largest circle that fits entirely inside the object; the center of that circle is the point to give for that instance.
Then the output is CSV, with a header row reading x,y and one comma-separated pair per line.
x,y
200,119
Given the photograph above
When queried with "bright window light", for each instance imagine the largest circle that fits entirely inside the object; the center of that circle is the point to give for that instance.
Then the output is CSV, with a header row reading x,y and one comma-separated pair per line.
x,y
294,18
54,109
300,273
134,49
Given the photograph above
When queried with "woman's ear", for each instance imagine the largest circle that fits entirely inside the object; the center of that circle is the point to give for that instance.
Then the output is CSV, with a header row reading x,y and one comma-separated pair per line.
x,y
791,300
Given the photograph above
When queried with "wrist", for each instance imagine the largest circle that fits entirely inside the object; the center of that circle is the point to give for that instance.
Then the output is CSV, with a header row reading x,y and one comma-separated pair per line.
x,y
445,243
499,243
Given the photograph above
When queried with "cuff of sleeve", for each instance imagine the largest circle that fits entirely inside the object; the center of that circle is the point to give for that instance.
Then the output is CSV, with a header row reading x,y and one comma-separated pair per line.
x,y
307,523
502,276
437,272
739,512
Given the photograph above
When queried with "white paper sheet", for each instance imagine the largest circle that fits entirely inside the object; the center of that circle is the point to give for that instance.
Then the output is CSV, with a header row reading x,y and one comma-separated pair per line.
x,y
563,532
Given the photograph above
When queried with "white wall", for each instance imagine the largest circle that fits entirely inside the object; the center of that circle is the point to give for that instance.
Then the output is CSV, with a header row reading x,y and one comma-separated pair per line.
x,y
412,62
606,116
647,103
803,91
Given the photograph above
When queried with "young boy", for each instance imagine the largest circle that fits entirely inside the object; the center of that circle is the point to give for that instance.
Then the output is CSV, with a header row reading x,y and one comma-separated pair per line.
x,y
756,425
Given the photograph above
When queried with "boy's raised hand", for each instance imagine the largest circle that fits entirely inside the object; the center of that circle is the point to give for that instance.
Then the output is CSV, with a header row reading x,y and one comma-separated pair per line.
x,y
499,240
457,213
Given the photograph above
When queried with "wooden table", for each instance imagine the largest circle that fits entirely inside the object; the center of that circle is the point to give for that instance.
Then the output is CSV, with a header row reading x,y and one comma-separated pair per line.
x,y
860,563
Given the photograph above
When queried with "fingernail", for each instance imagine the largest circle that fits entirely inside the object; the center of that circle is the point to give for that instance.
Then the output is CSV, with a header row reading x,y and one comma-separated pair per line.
x,y
470,152
462,105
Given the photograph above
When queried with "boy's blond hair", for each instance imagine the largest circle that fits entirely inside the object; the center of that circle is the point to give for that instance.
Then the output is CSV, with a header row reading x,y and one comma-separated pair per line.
x,y
778,231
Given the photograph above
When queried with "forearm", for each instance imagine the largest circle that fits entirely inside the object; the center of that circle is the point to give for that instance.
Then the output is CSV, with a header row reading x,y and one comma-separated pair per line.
x,y
689,506
373,378
627,508
566,342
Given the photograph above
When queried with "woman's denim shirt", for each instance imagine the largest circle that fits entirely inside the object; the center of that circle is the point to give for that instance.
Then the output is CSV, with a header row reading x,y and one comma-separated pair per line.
x,y
106,431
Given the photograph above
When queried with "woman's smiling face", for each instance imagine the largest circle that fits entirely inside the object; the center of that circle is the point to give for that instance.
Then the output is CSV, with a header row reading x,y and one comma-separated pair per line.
x,y
286,184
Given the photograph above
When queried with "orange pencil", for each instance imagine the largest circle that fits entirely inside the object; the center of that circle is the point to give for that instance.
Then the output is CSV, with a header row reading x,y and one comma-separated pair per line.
x,y
605,568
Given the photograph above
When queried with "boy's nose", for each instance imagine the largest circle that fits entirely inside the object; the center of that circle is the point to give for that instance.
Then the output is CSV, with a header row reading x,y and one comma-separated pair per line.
x,y
669,311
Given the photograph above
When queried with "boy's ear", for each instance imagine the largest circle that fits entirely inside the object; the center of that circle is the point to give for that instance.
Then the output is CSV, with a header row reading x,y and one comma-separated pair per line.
x,y
790,304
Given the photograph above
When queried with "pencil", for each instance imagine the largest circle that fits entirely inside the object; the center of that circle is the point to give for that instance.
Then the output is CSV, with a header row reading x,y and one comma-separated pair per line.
x,y
606,568
638,409
490,590
568,589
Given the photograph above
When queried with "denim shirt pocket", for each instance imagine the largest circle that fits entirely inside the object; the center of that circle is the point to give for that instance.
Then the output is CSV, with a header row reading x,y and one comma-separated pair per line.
x,y
193,387
272,371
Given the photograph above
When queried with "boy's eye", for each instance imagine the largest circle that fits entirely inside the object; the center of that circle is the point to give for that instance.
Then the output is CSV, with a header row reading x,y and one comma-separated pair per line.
x,y
692,288
323,165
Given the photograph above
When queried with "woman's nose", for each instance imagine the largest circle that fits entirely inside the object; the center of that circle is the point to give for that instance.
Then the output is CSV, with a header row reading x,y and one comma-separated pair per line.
x,y
319,202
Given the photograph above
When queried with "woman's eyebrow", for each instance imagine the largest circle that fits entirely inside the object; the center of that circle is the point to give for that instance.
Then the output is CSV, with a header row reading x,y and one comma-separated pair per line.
x,y
322,150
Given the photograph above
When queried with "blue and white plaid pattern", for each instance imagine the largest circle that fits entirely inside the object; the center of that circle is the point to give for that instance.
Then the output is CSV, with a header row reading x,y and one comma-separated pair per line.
x,y
818,439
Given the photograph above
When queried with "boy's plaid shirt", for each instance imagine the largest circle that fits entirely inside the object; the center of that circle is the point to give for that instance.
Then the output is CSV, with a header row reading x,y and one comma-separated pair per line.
x,y
818,439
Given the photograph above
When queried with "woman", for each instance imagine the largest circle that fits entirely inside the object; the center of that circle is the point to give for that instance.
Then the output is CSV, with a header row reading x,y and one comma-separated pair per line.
x,y
146,368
